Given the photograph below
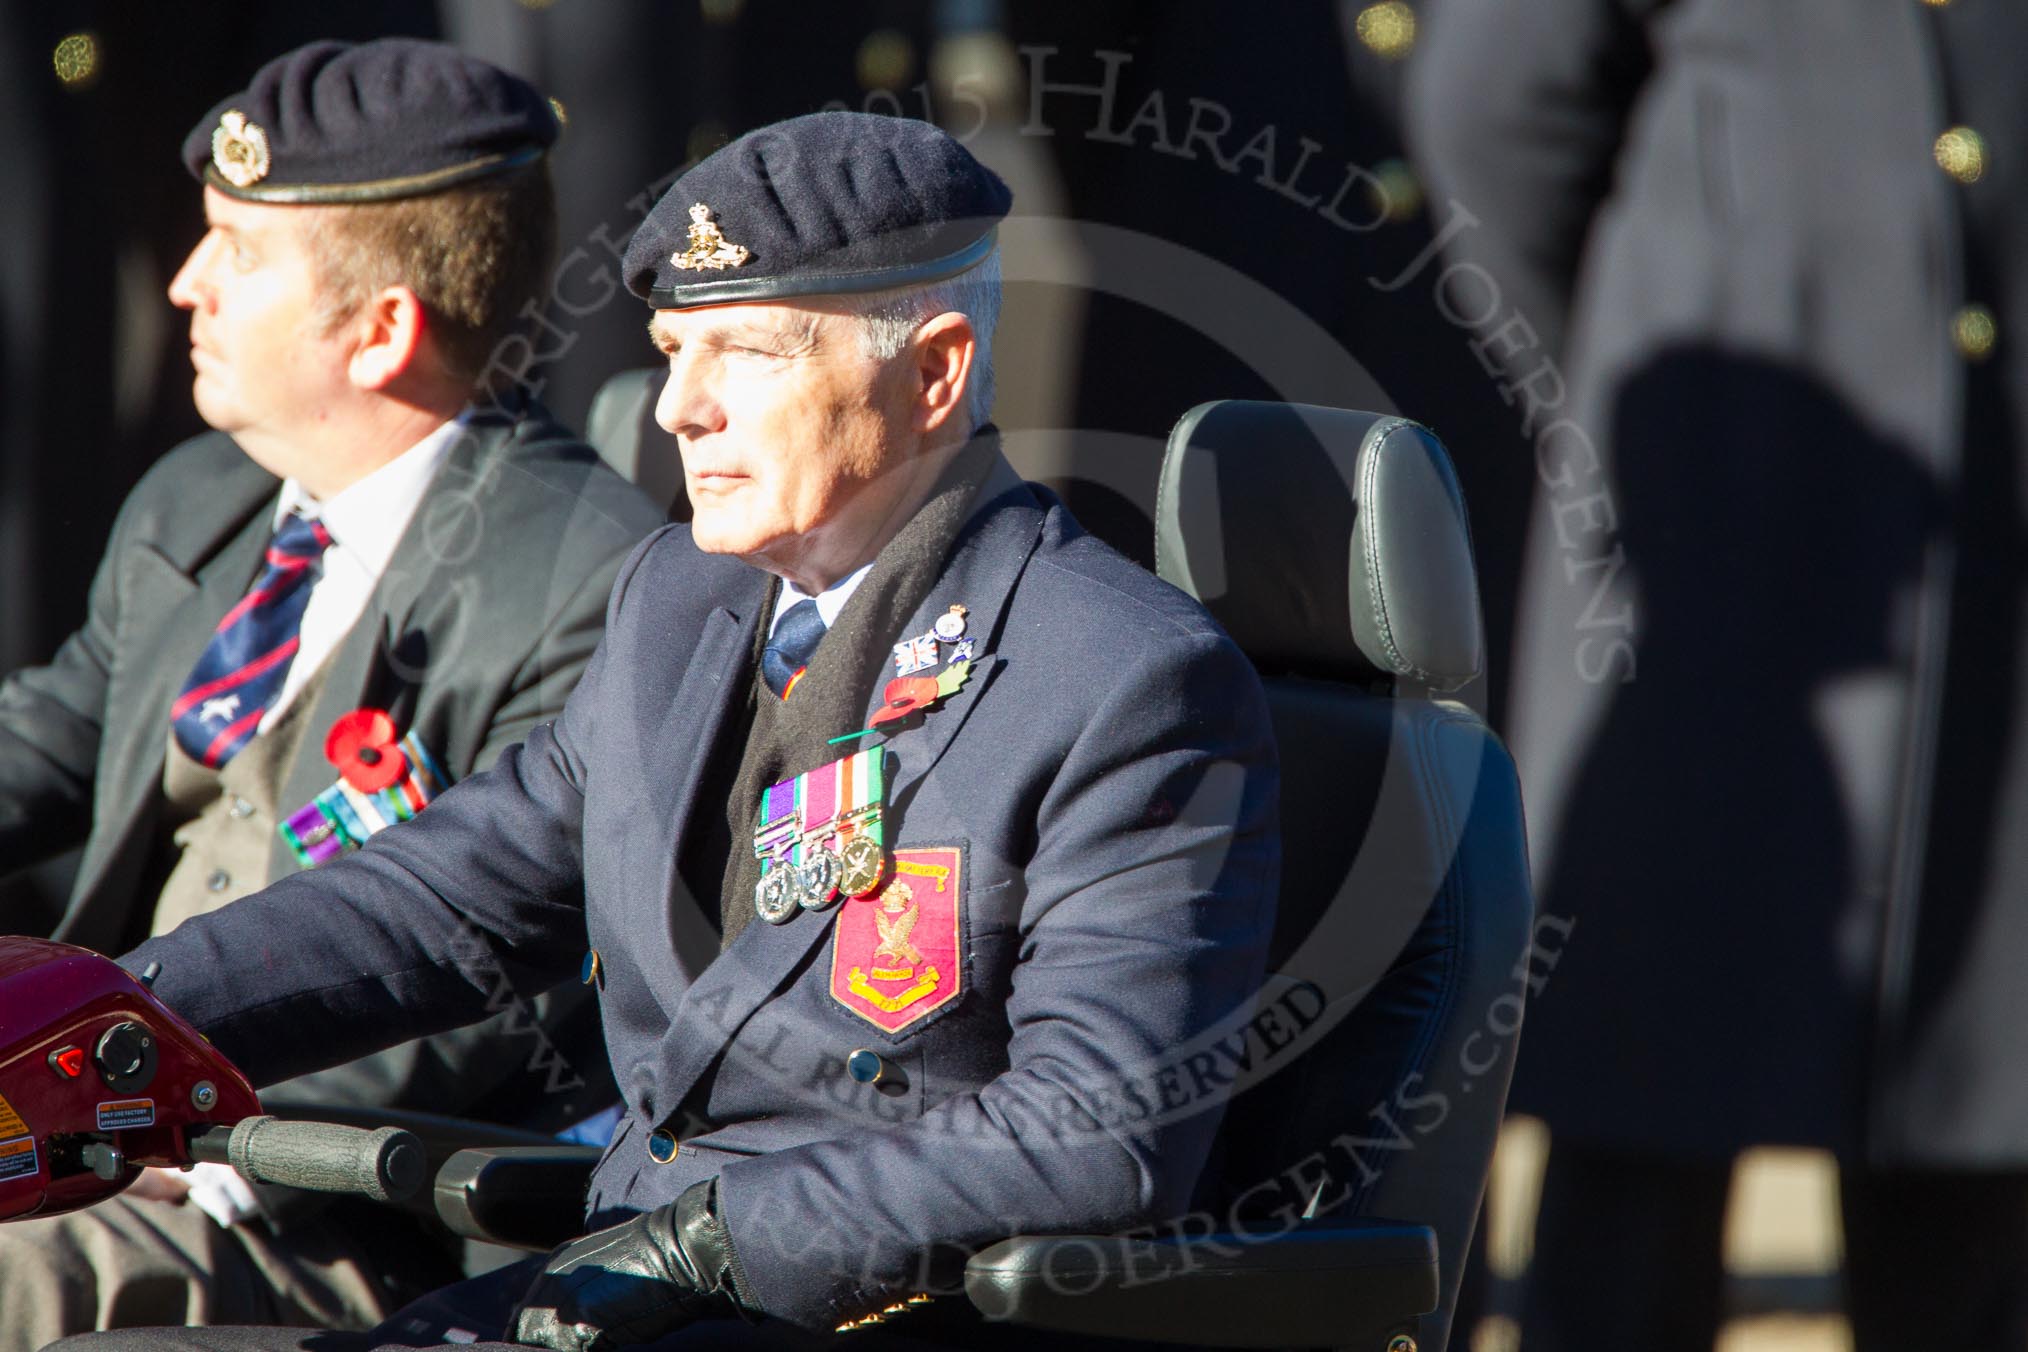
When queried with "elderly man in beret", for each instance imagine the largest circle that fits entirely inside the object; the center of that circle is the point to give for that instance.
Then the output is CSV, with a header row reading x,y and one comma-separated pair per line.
x,y
374,539
904,829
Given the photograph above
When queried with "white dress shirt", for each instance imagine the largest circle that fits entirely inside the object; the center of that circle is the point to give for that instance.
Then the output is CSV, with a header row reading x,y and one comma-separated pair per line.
x,y
829,601
366,522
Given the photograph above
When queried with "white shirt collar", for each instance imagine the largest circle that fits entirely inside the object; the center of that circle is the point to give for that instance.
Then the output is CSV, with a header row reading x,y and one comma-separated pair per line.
x,y
829,601
368,517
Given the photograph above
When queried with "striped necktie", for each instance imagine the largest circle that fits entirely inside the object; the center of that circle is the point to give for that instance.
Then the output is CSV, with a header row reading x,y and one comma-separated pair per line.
x,y
244,665
788,651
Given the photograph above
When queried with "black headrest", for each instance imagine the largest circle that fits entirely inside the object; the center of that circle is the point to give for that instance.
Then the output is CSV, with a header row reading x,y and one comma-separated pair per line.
x,y
1328,543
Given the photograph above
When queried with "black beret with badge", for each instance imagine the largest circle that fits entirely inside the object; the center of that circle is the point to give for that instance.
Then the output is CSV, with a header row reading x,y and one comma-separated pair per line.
x,y
826,204
369,122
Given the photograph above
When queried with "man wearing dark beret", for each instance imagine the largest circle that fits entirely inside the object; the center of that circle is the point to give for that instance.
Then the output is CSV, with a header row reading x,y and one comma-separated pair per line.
x,y
904,830
374,538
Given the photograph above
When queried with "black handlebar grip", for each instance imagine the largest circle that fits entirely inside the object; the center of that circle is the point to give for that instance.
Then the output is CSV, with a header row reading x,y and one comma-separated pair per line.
x,y
386,1165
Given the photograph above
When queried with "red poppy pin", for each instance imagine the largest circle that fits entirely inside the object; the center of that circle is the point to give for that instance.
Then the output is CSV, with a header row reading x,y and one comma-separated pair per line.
x,y
362,744
908,694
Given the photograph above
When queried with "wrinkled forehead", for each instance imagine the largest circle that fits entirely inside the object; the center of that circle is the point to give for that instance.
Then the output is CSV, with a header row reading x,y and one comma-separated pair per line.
x,y
802,323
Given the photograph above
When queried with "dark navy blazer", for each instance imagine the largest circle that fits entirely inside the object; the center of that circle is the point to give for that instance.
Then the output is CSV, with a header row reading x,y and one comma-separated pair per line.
x,y
1108,775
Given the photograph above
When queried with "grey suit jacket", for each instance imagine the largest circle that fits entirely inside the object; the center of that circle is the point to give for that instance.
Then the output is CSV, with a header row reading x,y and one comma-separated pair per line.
x,y
1106,781
488,611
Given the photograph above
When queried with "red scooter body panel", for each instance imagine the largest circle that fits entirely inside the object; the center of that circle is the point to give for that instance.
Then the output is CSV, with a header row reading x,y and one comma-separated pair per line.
x,y
91,1064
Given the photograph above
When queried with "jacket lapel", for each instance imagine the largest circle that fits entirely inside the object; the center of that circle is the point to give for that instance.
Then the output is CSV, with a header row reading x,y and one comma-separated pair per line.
x,y
175,594
366,667
348,676
714,681
984,566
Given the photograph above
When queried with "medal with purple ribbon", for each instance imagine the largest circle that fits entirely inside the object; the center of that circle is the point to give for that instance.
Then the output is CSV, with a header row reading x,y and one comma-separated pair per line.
x,y
344,817
819,833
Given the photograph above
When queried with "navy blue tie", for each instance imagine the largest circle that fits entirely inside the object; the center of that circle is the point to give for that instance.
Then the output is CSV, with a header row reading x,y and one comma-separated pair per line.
x,y
243,667
788,652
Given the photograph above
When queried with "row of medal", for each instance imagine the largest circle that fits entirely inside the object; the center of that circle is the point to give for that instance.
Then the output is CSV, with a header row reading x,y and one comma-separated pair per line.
x,y
820,835
343,817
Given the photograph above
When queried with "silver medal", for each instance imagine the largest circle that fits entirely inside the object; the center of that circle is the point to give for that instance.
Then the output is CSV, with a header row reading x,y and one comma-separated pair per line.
x,y
774,900
818,881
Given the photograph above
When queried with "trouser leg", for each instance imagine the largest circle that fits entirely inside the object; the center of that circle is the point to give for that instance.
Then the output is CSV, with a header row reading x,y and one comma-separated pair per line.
x,y
1628,1253
128,1263
121,1263
1935,1259
1475,1287
467,1313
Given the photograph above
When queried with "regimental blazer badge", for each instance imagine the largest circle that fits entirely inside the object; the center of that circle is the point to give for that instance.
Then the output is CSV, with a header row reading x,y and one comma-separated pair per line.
x,y
898,955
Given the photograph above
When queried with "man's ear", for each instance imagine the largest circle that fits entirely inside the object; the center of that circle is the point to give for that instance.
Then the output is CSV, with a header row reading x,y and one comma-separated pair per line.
x,y
390,328
944,350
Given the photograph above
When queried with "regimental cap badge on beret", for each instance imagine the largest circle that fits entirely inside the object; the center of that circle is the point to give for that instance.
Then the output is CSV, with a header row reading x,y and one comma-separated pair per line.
x,y
709,248
239,149
827,204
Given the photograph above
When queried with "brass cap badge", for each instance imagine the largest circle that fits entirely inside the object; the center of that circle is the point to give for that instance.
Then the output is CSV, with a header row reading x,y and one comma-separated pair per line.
x,y
709,247
240,150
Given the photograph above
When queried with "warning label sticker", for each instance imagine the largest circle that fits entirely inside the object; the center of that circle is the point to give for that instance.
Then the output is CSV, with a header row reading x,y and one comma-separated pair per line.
x,y
17,1158
10,1121
126,1113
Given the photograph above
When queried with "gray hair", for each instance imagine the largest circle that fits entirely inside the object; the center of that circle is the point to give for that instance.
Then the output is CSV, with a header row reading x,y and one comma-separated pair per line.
x,y
888,319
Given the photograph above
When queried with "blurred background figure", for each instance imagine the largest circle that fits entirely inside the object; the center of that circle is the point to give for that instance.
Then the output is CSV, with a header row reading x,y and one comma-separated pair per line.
x,y
1767,679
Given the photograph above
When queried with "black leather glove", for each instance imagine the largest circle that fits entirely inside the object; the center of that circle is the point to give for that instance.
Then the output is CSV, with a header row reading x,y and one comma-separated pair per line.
x,y
637,1281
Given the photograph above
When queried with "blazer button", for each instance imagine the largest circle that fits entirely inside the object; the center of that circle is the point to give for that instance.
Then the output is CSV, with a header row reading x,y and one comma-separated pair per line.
x,y
865,1066
662,1145
592,972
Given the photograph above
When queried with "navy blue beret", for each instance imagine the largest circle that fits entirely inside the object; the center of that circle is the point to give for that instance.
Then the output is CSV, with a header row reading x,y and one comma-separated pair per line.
x,y
824,204
338,122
